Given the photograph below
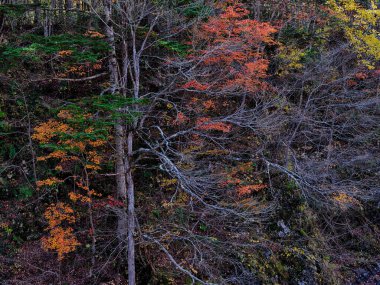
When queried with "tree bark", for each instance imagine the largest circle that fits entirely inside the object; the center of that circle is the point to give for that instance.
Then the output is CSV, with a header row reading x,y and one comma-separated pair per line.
x,y
69,5
37,12
131,214
120,139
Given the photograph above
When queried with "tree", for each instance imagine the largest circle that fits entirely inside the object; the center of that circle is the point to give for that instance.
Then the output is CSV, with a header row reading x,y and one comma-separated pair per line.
x,y
77,149
213,100
231,44
359,25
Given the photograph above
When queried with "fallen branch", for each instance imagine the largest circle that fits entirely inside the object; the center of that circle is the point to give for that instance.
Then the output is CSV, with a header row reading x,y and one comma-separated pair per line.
x,y
82,79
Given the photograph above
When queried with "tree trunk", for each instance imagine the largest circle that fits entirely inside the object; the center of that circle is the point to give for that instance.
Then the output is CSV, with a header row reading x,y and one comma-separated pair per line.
x,y
124,176
131,214
69,5
120,138
120,181
37,12
60,11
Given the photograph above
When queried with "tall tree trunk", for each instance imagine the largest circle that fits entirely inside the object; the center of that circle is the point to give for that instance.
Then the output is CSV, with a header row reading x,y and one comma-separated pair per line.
x,y
120,138
30,141
69,4
131,213
69,19
37,12
93,6
124,175
131,189
78,11
49,18
60,11
121,183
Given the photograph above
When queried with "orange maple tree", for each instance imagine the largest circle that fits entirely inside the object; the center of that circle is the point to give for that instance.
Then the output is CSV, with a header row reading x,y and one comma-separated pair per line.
x,y
68,151
61,237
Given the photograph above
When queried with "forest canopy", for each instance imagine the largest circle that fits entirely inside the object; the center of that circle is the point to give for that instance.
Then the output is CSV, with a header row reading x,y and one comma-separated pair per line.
x,y
189,142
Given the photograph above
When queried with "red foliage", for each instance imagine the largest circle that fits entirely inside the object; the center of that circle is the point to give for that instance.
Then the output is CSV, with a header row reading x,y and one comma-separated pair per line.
x,y
207,125
193,84
109,202
181,119
241,177
233,45
361,76
248,189
209,104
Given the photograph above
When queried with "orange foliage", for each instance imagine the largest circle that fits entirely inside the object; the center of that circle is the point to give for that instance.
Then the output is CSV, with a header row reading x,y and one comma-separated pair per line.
x,y
250,77
60,239
248,189
97,66
59,168
58,213
48,182
181,119
76,70
94,34
52,131
80,69
234,43
193,84
242,179
94,160
345,201
54,154
87,197
65,53
207,125
97,143
82,151
75,145
47,131
65,114
209,104
75,197
233,27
